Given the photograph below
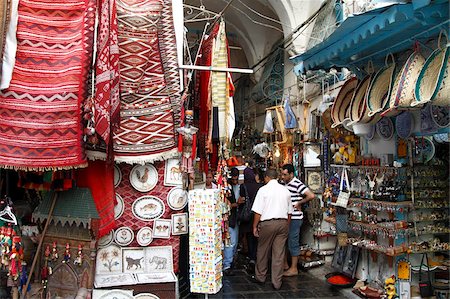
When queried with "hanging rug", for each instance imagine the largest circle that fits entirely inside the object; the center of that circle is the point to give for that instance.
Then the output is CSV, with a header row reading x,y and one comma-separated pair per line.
x,y
40,111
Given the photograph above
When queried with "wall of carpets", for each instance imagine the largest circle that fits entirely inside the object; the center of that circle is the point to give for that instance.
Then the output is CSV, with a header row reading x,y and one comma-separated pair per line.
x,y
144,247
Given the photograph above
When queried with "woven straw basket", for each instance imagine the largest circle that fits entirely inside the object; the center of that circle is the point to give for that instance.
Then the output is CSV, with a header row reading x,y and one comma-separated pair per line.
x,y
433,83
402,94
358,106
339,110
379,91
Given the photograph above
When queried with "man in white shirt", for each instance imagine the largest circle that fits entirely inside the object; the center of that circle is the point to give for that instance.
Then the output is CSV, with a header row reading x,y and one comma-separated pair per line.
x,y
273,209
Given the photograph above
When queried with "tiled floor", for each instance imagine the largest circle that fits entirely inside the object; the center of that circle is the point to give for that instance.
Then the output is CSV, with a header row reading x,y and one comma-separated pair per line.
x,y
305,285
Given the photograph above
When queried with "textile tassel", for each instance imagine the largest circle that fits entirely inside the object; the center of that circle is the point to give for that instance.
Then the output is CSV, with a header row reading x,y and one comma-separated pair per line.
x,y
24,278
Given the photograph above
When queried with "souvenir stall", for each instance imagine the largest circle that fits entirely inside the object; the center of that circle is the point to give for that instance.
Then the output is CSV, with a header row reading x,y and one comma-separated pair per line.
x,y
118,160
386,147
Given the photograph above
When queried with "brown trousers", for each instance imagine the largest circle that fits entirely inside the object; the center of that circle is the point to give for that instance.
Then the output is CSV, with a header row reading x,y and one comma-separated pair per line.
x,y
272,238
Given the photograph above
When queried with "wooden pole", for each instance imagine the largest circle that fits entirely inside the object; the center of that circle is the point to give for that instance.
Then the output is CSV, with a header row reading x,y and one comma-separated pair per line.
x,y
41,241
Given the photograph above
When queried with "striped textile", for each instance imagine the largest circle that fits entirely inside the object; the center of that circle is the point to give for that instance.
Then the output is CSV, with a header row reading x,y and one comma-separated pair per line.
x,y
297,189
219,80
106,101
40,119
149,82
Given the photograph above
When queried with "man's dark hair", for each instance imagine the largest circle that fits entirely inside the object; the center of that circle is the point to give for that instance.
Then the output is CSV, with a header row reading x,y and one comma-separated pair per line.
x,y
272,173
234,171
289,167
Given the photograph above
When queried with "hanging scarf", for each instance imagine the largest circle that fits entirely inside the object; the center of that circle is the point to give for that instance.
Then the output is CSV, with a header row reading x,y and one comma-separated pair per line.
x,y
291,120
268,123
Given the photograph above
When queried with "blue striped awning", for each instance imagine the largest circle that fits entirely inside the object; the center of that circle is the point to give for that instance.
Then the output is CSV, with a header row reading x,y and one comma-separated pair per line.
x,y
374,34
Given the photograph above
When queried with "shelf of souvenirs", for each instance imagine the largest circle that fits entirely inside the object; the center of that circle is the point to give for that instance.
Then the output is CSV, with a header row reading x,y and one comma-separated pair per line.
x,y
440,215
371,204
366,166
441,192
431,204
324,234
434,245
371,245
399,249
393,229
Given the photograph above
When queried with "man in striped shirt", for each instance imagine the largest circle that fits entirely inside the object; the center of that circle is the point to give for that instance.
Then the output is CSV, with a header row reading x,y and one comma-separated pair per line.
x,y
300,194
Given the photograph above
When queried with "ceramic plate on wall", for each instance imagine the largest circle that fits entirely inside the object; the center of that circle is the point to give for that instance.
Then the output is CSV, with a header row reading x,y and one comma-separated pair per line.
x,y
385,128
123,236
404,124
144,236
177,199
117,176
108,294
119,207
146,296
106,240
424,151
371,134
148,208
144,178
441,116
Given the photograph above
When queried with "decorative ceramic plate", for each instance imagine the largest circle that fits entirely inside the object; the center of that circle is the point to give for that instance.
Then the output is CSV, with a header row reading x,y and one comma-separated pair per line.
x,y
117,176
441,116
385,128
119,207
441,138
404,124
144,178
177,199
108,294
146,296
148,208
144,236
424,150
371,135
106,240
124,236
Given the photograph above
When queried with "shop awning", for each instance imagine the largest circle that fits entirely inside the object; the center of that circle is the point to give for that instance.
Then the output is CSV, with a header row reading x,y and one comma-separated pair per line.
x,y
374,34
72,206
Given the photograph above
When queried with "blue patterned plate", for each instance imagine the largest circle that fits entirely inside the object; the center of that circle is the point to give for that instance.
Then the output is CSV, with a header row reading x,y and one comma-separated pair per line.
x,y
385,128
404,124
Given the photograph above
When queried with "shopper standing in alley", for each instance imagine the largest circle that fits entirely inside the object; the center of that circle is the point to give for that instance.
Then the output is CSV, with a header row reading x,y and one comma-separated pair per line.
x,y
230,250
300,194
273,209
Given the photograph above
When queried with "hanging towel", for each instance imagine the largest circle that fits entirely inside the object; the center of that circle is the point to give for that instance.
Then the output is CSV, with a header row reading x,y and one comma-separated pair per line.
x,y
99,178
268,123
9,48
291,120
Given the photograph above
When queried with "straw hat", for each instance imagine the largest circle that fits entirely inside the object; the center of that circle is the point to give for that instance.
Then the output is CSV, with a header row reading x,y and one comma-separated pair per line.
x,y
402,94
339,110
379,91
433,83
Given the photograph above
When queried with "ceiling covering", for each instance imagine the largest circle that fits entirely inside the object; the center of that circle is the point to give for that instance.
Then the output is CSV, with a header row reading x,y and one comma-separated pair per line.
x,y
374,34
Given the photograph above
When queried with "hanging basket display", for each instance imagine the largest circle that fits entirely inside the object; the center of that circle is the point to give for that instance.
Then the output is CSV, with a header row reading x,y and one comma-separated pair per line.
x,y
339,110
380,88
433,84
358,104
402,94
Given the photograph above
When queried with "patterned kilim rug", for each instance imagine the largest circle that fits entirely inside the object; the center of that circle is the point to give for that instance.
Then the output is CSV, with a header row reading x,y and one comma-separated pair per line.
x,y
40,117
106,101
149,82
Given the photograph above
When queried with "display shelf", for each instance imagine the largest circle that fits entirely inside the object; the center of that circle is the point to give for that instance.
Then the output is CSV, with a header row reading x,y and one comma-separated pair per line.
x,y
430,207
325,235
367,202
392,251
